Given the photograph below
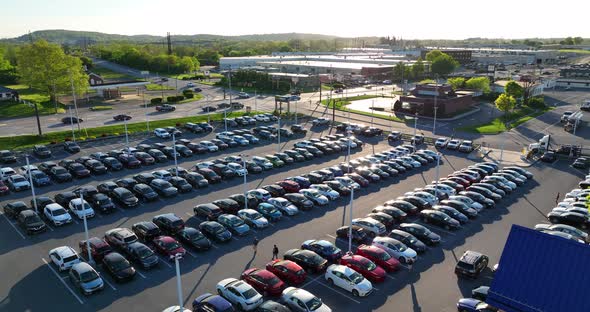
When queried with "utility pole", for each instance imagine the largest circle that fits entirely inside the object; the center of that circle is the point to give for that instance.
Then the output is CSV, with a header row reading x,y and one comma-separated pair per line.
x,y
38,120
74,97
32,185
174,150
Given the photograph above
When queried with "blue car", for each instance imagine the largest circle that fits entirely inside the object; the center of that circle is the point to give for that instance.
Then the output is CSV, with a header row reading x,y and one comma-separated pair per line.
x,y
323,248
213,303
242,141
474,305
303,182
251,138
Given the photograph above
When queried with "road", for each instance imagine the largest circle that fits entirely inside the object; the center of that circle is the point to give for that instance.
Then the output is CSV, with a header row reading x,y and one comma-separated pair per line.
x,y
429,286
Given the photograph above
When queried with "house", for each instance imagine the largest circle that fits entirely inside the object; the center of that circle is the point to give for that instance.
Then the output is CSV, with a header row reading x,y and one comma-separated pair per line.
x,y
7,94
95,79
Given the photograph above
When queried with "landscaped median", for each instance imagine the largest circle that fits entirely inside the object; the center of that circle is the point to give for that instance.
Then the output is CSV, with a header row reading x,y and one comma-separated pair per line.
x,y
12,109
25,141
341,103
514,119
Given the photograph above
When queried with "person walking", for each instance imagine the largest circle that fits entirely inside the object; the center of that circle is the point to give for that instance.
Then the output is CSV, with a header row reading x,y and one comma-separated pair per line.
x,y
275,252
557,198
255,246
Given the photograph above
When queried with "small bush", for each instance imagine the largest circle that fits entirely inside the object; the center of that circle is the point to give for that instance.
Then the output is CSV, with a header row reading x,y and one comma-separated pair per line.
x,y
537,102
187,91
156,101
189,95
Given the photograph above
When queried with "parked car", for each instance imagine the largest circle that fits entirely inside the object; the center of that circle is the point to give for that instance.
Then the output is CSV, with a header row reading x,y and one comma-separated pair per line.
x,y
118,267
239,293
471,264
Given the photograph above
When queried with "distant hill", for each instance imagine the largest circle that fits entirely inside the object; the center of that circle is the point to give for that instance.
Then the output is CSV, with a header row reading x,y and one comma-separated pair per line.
x,y
61,36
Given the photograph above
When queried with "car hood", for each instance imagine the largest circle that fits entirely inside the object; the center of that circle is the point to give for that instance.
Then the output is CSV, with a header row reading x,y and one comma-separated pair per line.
x,y
62,217
365,285
411,253
93,283
260,221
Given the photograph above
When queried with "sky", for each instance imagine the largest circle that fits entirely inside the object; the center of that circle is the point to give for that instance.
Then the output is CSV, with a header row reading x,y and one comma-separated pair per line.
x,y
425,19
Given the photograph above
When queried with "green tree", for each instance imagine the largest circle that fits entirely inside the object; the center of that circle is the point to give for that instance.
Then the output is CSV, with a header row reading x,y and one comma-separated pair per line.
x,y
578,40
418,69
401,71
46,67
7,70
456,83
430,56
505,103
567,41
514,89
478,83
443,65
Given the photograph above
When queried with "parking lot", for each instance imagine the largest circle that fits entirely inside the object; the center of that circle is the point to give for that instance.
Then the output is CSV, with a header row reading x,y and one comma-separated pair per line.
x,y
429,285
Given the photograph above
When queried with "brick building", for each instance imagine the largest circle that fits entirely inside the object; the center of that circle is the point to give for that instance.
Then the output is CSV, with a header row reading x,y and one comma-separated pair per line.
x,y
422,98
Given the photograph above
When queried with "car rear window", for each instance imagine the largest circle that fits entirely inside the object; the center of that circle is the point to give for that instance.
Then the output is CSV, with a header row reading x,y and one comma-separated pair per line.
x,y
465,266
70,258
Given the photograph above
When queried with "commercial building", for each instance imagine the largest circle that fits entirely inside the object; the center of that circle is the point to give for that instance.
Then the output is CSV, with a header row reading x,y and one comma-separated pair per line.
x,y
497,56
575,76
423,97
460,55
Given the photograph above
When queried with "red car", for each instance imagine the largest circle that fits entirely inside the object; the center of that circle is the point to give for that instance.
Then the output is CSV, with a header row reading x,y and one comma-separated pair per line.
x,y
168,246
264,281
98,248
463,176
461,181
289,186
379,256
3,188
365,267
358,179
287,270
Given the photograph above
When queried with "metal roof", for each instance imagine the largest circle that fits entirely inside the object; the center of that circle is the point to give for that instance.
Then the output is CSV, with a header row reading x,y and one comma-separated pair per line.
x,y
541,272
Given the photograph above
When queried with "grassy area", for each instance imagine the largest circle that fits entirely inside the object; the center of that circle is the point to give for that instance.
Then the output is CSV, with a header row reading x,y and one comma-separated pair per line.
x,y
341,106
207,82
580,51
197,76
101,108
158,87
14,109
513,119
23,141
197,97
108,74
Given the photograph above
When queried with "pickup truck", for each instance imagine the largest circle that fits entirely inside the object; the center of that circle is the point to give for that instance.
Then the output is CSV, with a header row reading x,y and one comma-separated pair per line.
x,y
165,108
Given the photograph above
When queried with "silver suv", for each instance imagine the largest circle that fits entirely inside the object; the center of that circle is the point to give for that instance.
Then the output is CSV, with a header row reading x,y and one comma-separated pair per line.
x,y
86,278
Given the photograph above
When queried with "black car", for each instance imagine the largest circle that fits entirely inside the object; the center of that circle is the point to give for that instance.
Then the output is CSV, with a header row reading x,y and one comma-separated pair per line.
x,y
181,184
124,197
197,148
405,204
145,158
197,180
194,238
397,214
307,259
241,200
477,197
471,264
30,221
41,151
549,156
146,231
129,161
118,267
142,255
112,163
41,202
183,150
382,217
299,200
210,175
408,239
485,192
228,205
462,207
107,187
439,218
421,232
452,212
359,234
336,186
95,166
78,170
145,192
158,155
127,183
12,210
71,147
71,120
64,198
372,131
7,157
169,223
568,217
222,145
164,188
208,211
368,174
121,117
144,177
275,190
209,108
216,231
271,306
223,171
102,203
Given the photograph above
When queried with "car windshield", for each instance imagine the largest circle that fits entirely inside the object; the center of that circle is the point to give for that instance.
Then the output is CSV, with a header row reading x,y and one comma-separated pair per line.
x,y
80,207
401,247
370,266
356,278
314,303
171,245
58,212
19,179
120,265
144,253
235,221
33,218
60,170
127,195
219,230
88,276
254,215
383,256
196,236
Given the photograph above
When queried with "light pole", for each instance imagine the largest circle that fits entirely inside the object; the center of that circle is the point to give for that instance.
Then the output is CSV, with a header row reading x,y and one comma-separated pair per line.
x,y
435,106
208,111
177,258
296,102
147,116
32,185
351,200
126,135
438,155
279,134
225,119
415,127
245,181
72,124
174,152
90,260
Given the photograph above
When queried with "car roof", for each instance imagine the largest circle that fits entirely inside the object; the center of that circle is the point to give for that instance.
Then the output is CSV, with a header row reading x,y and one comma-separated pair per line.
x,y
470,256
301,294
64,251
97,242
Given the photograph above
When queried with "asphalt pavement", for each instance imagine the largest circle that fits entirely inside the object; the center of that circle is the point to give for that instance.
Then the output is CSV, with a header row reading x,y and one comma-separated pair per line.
x,y
430,285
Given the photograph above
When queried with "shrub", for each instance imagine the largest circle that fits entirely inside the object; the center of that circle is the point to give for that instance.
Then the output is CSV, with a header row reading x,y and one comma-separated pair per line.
x,y
156,101
537,102
189,95
177,98
187,91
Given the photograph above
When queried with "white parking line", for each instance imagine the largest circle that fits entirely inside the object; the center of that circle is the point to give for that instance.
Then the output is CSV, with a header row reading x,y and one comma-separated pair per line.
x,y
191,254
120,209
212,245
14,227
338,291
108,283
62,281
140,274
404,266
190,214
48,226
342,240
165,261
313,280
234,237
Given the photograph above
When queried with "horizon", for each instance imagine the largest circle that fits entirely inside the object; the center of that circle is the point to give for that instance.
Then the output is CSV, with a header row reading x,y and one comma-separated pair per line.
x,y
459,20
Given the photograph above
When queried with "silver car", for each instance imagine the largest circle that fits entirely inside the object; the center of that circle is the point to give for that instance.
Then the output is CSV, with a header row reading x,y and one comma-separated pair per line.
x,y
86,278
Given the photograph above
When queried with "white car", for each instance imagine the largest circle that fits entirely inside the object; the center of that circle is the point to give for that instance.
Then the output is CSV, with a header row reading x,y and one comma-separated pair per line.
x,y
161,133
253,218
210,146
57,214
261,118
237,169
204,165
402,150
348,182
6,172
64,257
284,206
396,249
325,190
162,174
464,199
441,142
444,188
453,144
303,144
466,146
239,293
348,142
373,160
17,182
190,84
320,121
411,161
176,309
24,170
301,300
348,279
504,181
262,162
260,194
431,199
81,208
315,197
433,154
374,227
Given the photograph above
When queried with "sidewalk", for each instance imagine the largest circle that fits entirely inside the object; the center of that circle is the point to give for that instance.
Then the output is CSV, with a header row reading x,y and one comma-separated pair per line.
x,y
509,158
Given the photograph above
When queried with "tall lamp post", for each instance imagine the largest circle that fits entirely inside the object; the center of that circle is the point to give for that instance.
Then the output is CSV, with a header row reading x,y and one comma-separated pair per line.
x,y
415,127
351,199
435,105
31,182
174,153
90,260
177,258
126,135
147,116
245,181
279,135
